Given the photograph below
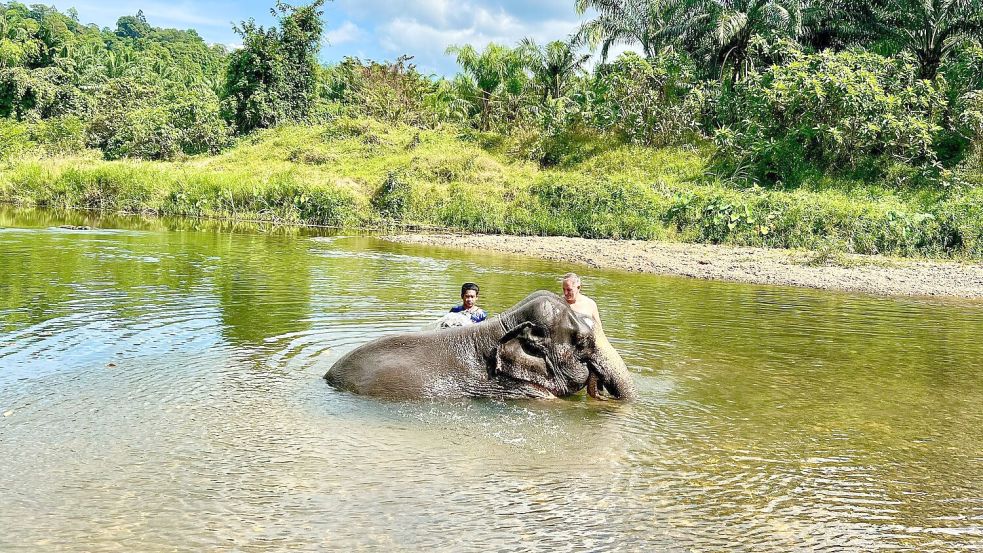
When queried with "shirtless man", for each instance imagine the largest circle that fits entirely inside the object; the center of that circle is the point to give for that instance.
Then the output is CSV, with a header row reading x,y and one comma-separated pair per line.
x,y
579,302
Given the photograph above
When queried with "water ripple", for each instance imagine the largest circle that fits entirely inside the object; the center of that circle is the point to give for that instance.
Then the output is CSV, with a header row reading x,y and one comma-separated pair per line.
x,y
162,390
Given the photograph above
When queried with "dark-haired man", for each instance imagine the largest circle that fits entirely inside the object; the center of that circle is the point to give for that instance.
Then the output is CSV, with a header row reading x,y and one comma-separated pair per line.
x,y
469,299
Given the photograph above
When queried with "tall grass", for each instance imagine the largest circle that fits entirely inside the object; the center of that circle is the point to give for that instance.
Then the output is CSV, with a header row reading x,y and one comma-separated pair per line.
x,y
362,173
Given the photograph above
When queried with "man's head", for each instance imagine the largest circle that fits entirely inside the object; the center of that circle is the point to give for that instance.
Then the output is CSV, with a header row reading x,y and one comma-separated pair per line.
x,y
469,294
571,287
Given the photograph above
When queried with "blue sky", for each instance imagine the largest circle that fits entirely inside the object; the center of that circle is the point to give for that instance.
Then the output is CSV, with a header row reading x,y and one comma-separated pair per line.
x,y
373,29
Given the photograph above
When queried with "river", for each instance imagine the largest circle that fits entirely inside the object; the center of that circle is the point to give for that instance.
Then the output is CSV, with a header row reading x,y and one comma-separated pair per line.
x,y
161,390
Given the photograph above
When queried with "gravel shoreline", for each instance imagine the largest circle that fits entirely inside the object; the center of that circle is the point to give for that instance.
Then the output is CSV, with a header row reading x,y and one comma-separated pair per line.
x,y
855,273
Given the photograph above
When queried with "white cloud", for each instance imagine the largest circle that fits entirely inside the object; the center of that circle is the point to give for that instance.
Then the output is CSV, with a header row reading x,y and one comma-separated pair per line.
x,y
348,32
472,24
441,12
462,19
159,14
425,28
181,13
427,42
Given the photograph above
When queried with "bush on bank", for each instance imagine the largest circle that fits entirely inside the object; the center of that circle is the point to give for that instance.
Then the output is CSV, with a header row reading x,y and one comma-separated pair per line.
x,y
360,172
847,112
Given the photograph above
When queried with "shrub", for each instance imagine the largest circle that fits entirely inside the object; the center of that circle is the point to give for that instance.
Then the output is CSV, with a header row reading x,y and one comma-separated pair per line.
x,y
841,112
971,125
599,208
135,120
31,94
14,139
394,92
197,117
653,102
554,132
146,133
961,223
392,200
60,135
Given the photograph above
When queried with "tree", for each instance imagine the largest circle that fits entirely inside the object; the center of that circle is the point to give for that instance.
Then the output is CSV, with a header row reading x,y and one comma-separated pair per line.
x,y
737,23
554,66
53,32
838,24
254,80
273,77
19,43
932,29
131,26
720,32
300,40
654,25
496,68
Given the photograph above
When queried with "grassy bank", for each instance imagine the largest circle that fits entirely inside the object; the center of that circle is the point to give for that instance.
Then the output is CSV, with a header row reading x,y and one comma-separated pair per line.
x,y
358,172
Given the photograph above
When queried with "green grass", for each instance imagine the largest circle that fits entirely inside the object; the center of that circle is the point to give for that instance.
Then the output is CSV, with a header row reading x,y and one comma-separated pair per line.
x,y
362,173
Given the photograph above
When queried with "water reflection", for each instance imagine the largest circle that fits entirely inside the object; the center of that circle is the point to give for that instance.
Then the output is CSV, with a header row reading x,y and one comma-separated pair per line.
x,y
259,298
160,386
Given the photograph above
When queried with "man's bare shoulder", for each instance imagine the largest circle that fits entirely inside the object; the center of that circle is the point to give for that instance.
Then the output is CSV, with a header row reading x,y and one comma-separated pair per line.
x,y
584,305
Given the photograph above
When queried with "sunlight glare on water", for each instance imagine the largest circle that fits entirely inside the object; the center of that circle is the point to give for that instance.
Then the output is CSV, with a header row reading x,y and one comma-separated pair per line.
x,y
161,389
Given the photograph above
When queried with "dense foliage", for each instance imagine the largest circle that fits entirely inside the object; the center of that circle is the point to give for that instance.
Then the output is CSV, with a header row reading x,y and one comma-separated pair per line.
x,y
852,111
140,91
776,96
272,79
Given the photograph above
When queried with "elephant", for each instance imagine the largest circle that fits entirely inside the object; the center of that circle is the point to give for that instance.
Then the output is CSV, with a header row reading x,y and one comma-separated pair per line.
x,y
539,348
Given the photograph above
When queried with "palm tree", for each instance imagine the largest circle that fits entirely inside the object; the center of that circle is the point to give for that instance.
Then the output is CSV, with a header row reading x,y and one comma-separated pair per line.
x,y
838,24
215,83
87,62
654,25
719,31
554,66
119,63
932,29
738,22
496,68
168,71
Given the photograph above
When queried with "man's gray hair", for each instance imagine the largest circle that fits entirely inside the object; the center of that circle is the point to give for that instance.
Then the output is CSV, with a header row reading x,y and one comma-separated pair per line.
x,y
571,276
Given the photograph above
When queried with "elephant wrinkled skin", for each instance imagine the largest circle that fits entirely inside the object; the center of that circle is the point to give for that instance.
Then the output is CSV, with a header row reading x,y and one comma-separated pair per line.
x,y
540,348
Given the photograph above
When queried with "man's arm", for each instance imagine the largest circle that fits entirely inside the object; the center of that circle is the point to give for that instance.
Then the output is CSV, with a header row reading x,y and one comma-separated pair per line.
x,y
594,313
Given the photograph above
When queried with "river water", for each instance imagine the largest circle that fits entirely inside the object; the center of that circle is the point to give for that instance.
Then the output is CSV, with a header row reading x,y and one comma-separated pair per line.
x,y
161,390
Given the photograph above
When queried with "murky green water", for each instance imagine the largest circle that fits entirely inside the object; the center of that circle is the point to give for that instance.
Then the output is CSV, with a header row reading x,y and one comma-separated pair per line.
x,y
160,384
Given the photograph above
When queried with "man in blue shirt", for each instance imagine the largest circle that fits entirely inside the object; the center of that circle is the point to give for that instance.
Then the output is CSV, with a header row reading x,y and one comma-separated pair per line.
x,y
469,298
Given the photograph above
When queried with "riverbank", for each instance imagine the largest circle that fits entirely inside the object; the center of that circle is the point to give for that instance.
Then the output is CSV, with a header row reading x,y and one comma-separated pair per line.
x,y
362,173
823,270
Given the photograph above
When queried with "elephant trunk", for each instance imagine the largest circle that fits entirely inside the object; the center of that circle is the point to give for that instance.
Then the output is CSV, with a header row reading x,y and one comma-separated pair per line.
x,y
609,372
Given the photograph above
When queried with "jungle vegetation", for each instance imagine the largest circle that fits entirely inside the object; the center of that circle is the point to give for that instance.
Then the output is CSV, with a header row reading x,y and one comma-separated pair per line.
x,y
825,124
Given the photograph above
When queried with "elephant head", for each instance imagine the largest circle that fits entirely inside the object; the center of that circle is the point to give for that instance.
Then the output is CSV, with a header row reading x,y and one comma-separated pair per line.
x,y
550,347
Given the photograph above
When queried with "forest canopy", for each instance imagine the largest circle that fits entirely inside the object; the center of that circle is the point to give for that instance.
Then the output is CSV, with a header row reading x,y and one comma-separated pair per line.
x,y
778,90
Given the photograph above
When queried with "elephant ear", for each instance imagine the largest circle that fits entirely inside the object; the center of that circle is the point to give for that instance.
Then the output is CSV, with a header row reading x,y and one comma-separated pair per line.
x,y
521,353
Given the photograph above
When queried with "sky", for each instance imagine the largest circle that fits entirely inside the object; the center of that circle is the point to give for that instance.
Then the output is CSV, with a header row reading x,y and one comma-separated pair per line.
x,y
369,29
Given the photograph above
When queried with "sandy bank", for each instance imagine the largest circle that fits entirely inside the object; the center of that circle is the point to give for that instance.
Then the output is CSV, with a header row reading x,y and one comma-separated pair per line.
x,y
858,273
